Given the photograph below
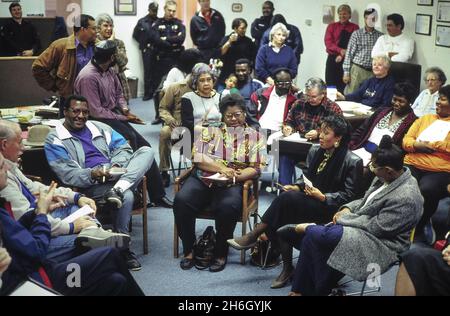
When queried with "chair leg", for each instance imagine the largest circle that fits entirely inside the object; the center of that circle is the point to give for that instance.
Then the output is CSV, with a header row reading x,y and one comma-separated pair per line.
x,y
176,253
244,231
172,167
145,230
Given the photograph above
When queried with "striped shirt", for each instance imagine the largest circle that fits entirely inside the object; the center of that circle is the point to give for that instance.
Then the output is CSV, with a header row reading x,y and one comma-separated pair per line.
x,y
359,49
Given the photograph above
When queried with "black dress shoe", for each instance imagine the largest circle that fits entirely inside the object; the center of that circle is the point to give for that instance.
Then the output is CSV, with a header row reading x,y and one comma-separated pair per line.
x,y
186,263
163,202
157,121
218,265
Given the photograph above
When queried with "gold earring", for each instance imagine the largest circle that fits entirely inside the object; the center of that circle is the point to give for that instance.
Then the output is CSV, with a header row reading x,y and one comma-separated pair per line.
x,y
336,144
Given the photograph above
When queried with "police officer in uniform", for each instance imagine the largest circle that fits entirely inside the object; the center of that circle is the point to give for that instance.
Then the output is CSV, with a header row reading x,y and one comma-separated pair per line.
x,y
170,36
260,25
145,35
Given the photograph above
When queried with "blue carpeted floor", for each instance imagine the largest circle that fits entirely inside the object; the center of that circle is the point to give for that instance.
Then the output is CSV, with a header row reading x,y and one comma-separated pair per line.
x,y
161,274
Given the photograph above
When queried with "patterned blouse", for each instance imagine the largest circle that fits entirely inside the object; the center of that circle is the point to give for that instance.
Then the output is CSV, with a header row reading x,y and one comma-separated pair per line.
x,y
384,123
236,148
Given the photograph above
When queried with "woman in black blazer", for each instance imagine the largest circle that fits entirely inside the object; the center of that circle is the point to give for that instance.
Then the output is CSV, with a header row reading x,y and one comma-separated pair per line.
x,y
335,173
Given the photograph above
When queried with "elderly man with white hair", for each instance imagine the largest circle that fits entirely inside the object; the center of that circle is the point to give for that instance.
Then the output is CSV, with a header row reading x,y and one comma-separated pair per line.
x,y
377,91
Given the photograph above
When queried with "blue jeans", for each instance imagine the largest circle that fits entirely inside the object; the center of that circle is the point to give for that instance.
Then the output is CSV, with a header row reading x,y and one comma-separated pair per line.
x,y
286,170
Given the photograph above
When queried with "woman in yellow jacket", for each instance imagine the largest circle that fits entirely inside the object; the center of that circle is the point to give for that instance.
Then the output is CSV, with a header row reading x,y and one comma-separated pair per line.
x,y
427,144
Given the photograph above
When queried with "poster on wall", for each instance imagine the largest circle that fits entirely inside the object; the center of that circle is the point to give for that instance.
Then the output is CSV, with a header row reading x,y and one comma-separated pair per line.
x,y
443,11
125,7
423,24
443,35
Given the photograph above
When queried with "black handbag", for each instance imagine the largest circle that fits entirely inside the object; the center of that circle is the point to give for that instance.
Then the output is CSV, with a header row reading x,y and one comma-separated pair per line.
x,y
204,249
263,254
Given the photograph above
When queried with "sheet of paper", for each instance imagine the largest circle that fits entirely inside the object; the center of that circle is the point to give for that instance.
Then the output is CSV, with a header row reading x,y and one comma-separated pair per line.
x,y
308,182
296,138
350,106
85,210
437,131
274,136
31,289
364,155
216,177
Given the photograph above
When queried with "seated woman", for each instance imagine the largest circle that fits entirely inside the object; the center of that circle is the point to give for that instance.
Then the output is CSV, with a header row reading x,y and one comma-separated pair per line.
x,y
236,152
275,55
335,173
366,234
426,101
393,121
201,105
427,144
376,91
424,272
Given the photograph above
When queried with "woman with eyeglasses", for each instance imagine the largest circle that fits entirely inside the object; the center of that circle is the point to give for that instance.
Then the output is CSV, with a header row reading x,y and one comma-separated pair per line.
x,y
232,150
426,101
366,235
334,172
105,31
275,55
427,144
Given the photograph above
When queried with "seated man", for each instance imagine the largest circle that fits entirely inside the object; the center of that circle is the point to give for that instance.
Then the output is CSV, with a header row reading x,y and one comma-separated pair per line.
x,y
100,85
424,272
377,91
20,37
170,113
27,241
305,117
21,194
269,107
82,154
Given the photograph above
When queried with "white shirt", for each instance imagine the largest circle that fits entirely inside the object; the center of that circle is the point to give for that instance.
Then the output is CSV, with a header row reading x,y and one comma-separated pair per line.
x,y
401,44
372,195
274,114
425,103
175,75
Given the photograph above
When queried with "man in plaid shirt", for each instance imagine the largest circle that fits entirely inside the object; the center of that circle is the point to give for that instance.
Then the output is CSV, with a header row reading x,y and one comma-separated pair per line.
x,y
358,59
305,117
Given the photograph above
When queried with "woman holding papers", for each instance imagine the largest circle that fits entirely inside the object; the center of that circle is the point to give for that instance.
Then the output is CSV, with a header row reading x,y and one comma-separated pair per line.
x,y
428,146
335,173
224,157
393,121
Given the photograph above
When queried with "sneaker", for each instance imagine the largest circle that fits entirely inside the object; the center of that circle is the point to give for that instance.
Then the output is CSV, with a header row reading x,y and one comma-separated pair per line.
x,y
132,262
429,233
98,237
114,196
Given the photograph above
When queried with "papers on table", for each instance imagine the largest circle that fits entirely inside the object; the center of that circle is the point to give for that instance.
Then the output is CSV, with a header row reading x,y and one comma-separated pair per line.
x,y
216,177
354,108
85,210
364,155
274,136
295,137
436,132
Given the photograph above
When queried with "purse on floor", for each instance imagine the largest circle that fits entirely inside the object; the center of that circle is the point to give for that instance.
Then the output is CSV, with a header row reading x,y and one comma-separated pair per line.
x,y
204,249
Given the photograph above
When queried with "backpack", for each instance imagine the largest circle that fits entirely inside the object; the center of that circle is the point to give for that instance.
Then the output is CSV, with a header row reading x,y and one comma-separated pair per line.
x,y
204,249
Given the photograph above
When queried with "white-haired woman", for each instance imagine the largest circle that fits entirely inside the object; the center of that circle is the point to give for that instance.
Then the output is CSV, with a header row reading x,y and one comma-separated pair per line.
x,y
376,92
105,31
426,101
275,55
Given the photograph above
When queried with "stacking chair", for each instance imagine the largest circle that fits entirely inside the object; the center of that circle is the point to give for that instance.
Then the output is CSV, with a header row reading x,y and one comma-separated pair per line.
x,y
249,208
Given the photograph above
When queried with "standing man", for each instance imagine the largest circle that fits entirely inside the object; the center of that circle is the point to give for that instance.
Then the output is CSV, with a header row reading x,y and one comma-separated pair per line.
x,y
58,66
144,34
20,37
358,61
170,35
207,30
396,45
260,25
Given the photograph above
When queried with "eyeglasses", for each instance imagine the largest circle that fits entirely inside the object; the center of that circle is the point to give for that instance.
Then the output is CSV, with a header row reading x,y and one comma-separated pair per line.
x,y
283,83
236,115
432,80
77,112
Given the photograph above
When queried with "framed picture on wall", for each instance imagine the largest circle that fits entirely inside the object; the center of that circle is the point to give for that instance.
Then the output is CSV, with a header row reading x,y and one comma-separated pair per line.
x,y
236,7
443,11
425,2
125,7
423,24
443,35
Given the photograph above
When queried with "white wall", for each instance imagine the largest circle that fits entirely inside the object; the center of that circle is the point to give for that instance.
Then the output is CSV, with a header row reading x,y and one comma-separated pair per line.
x,y
314,56
34,7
